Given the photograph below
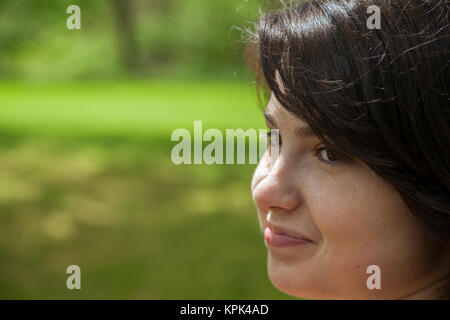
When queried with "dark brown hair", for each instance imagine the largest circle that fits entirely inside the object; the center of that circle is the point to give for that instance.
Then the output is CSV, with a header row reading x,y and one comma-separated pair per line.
x,y
377,95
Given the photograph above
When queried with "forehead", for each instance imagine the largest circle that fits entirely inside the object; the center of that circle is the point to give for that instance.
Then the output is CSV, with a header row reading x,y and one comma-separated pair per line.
x,y
276,111
282,119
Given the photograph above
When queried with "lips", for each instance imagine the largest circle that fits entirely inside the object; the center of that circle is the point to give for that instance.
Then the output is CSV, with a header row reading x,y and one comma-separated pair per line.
x,y
280,237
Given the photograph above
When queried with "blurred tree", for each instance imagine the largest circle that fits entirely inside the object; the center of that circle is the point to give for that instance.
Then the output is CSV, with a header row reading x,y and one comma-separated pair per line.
x,y
154,38
162,6
126,34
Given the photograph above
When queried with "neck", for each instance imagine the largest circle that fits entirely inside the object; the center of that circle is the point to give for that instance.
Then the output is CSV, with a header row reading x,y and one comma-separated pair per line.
x,y
435,291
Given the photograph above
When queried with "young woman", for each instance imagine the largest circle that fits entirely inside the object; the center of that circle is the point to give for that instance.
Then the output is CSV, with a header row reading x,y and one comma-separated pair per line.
x,y
356,205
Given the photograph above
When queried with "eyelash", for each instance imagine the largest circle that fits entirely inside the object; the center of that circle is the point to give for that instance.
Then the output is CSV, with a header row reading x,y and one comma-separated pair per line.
x,y
317,154
330,163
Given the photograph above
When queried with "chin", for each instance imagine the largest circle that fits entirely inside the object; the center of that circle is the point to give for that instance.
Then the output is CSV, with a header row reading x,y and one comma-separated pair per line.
x,y
298,289
290,281
308,286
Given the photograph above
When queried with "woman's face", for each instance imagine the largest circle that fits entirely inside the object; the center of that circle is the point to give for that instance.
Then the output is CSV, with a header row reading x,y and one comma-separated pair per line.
x,y
348,217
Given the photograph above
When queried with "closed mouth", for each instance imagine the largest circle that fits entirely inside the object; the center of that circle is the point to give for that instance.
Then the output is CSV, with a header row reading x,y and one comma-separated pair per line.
x,y
277,237
288,233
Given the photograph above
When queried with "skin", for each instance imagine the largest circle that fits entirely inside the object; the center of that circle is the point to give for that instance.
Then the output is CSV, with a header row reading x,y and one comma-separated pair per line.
x,y
353,217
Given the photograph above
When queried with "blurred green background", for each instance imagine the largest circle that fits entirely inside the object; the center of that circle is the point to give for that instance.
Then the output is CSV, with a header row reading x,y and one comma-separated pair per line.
x,y
86,176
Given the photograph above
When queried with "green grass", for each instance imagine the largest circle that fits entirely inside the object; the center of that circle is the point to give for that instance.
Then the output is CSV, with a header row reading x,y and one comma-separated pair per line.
x,y
137,109
86,179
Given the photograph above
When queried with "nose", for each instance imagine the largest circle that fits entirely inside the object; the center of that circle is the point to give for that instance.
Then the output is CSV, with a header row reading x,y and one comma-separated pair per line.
x,y
278,190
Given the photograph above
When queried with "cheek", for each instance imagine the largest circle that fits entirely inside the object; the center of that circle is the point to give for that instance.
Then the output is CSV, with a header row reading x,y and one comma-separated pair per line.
x,y
337,203
358,211
364,221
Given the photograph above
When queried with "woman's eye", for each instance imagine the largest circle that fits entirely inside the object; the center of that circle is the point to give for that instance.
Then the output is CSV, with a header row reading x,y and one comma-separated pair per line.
x,y
329,156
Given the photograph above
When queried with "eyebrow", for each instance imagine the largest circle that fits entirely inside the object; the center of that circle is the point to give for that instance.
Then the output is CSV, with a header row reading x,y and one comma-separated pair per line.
x,y
304,131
